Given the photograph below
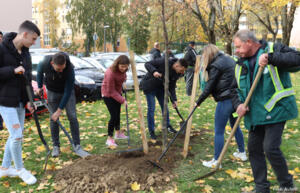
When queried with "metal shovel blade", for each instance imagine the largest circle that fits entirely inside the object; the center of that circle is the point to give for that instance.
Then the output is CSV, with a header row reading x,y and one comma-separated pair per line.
x,y
155,164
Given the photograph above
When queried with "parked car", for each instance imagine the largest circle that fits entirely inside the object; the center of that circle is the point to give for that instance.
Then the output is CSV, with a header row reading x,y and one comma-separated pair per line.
x,y
147,57
88,79
179,55
139,61
36,100
104,63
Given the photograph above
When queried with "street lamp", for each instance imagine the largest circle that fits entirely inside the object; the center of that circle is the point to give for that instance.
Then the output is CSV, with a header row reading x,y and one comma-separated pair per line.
x,y
106,26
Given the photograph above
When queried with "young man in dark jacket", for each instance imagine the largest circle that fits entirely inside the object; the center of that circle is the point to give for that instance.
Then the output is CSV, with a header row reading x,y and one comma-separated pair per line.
x,y
59,79
272,104
155,52
190,57
153,86
15,63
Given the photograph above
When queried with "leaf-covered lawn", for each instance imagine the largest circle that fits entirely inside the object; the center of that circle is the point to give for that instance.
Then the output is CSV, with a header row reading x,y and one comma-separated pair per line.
x,y
235,175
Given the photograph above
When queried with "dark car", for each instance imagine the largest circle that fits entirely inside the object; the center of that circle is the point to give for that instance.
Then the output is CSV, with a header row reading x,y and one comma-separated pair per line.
x,y
88,79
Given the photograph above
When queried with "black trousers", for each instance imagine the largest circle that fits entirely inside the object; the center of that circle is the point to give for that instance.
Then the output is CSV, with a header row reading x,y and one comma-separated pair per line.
x,y
264,141
114,108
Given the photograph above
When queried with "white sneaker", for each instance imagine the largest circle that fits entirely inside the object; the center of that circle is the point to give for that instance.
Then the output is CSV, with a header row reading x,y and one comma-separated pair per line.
x,y
26,176
10,172
211,164
240,155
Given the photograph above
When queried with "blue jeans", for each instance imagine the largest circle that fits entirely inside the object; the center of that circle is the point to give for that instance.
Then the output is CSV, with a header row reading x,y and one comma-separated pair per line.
x,y
159,94
14,121
224,112
53,102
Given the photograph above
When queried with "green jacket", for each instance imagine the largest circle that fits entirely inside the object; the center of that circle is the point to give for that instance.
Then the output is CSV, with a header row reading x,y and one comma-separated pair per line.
x,y
265,107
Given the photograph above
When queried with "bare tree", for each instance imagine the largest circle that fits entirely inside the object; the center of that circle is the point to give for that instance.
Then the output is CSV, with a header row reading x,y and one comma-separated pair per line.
x,y
287,20
228,20
208,25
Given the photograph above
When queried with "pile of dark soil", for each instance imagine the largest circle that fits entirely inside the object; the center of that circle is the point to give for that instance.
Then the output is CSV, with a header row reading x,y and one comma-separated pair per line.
x,y
116,172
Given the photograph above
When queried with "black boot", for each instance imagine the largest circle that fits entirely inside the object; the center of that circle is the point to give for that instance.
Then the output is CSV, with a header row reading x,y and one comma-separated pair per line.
x,y
152,135
171,129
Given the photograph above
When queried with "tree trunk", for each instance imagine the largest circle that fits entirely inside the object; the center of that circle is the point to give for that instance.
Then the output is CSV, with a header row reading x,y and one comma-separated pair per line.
x,y
166,85
229,47
287,20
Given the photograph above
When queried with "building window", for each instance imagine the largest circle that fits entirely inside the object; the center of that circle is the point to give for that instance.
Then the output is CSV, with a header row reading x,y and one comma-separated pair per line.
x,y
69,31
46,40
46,28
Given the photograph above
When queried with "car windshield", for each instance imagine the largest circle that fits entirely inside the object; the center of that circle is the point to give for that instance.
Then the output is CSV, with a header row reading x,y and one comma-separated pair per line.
x,y
137,58
106,62
80,64
36,59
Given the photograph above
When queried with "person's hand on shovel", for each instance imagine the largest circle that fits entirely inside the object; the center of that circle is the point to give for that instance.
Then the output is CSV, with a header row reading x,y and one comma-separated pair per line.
x,y
174,104
30,108
56,115
242,110
263,60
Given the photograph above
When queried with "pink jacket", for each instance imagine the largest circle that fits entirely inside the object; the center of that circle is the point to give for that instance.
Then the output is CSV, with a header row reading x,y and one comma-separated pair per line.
x,y
112,85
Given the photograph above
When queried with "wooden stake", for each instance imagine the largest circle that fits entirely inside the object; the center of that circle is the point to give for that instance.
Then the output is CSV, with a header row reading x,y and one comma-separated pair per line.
x,y
139,104
192,105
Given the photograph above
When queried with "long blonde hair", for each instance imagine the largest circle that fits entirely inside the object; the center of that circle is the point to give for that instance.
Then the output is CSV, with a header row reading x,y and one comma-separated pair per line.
x,y
209,52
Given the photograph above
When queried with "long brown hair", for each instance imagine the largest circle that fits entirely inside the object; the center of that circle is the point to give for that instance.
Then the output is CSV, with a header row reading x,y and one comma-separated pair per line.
x,y
209,52
123,59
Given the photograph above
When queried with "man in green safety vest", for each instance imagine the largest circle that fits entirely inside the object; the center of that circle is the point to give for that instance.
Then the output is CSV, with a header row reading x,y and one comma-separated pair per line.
x,y
272,104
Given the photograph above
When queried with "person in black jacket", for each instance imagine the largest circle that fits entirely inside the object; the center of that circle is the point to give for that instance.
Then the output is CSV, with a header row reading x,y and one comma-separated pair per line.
x,y
155,52
218,73
59,79
190,57
153,86
15,63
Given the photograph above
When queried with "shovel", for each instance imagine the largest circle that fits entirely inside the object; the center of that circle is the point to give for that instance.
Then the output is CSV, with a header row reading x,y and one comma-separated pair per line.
x,y
60,125
179,114
29,93
156,163
128,132
237,122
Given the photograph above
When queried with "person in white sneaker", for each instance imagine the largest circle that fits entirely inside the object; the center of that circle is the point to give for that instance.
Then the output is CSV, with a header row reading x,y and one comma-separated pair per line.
x,y
111,91
217,75
14,61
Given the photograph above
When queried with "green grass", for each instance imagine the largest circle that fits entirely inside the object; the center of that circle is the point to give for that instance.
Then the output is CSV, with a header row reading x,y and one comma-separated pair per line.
x,y
93,118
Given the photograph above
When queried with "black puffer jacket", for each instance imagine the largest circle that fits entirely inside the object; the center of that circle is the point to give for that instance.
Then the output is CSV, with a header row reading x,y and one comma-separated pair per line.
x,y
155,54
221,76
12,86
150,83
190,55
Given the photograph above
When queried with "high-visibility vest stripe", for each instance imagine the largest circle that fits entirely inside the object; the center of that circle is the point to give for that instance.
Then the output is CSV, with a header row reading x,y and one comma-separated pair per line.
x,y
277,97
238,71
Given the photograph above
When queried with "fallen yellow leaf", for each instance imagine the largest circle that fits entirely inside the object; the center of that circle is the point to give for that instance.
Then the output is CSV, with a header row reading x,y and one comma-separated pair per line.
x,y
23,184
135,186
200,181
112,147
